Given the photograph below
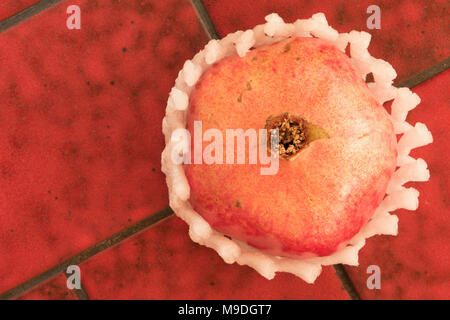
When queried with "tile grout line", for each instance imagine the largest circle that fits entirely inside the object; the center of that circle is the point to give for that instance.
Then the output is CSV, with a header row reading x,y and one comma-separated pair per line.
x,y
208,25
88,253
26,13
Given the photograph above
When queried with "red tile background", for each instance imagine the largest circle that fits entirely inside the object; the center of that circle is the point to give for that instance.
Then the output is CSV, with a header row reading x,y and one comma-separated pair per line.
x,y
163,263
416,263
410,38
53,289
80,125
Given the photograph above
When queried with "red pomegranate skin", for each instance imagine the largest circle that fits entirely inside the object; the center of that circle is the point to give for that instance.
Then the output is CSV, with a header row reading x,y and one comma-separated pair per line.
x,y
322,198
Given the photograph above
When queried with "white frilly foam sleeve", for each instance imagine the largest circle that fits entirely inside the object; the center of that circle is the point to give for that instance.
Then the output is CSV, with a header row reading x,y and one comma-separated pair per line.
x,y
245,41
409,169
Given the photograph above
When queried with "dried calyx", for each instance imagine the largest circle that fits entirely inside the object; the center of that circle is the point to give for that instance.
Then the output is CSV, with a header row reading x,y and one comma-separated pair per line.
x,y
294,134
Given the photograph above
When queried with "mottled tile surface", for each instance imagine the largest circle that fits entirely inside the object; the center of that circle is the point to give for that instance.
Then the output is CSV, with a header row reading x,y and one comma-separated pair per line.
x,y
163,263
411,37
416,263
53,289
80,125
11,7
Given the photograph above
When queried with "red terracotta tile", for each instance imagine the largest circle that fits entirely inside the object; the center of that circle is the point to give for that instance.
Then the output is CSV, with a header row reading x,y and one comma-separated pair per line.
x,y
53,289
11,7
416,263
80,125
163,263
412,36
